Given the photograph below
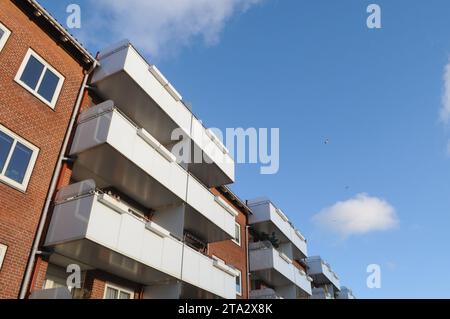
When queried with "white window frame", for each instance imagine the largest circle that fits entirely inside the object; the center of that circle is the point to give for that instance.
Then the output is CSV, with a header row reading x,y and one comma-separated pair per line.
x,y
3,250
47,66
26,179
238,240
119,290
5,37
239,293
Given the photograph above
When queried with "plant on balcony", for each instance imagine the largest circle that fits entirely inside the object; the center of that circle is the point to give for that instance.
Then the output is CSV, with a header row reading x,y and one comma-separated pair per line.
x,y
262,236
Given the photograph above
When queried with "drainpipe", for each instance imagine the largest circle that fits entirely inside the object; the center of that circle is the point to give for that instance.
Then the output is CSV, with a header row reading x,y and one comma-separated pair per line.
x,y
53,184
248,260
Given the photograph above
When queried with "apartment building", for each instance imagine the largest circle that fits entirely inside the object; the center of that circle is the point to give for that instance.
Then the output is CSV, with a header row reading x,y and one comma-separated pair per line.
x,y
277,251
235,251
42,69
326,284
137,217
110,187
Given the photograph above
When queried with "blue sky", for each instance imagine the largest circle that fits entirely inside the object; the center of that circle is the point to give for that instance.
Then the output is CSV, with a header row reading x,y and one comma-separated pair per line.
x,y
314,70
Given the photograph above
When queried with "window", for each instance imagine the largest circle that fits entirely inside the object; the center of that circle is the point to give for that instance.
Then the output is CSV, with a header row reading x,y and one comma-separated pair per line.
x,y
239,283
39,78
3,249
113,292
237,234
4,35
17,159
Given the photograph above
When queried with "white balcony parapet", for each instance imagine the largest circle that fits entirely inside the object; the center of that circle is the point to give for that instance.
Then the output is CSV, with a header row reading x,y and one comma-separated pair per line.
x,y
300,235
317,267
285,258
282,215
89,221
219,263
265,212
158,230
206,273
165,83
226,206
105,125
217,141
124,75
146,136
264,257
113,203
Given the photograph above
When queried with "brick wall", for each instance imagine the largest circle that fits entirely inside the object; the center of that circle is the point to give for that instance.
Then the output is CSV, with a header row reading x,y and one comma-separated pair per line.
x,y
230,252
34,121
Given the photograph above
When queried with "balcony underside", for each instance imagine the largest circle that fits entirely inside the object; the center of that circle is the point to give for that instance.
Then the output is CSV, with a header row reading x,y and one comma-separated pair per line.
x,y
269,227
100,257
108,168
111,169
322,279
286,288
189,291
136,104
89,255
272,277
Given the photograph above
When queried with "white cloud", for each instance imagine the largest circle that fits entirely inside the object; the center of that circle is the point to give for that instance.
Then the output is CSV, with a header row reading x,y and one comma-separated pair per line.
x,y
445,110
359,215
162,26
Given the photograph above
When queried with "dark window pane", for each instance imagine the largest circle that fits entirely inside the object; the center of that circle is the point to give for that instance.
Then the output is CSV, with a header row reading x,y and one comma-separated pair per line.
x,y
1,33
5,146
111,293
124,295
48,85
18,164
32,72
238,284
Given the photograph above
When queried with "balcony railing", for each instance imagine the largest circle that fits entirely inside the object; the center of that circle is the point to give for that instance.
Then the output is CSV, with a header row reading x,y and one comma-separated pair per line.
x,y
322,272
101,231
265,293
276,269
114,151
268,218
150,100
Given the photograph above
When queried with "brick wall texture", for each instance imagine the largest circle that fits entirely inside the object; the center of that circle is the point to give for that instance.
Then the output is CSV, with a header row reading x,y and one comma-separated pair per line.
x,y
25,115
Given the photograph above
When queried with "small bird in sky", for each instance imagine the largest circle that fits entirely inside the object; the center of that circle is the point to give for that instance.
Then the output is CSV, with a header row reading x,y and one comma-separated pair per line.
x,y
327,141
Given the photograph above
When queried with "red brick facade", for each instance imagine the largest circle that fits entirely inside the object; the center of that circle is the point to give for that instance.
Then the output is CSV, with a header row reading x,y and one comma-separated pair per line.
x,y
25,115
232,253
34,121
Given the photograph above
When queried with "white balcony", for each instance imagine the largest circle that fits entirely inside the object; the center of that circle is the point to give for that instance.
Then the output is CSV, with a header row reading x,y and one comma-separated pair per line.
x,y
265,293
269,219
277,270
101,232
209,274
113,151
322,272
146,97
320,293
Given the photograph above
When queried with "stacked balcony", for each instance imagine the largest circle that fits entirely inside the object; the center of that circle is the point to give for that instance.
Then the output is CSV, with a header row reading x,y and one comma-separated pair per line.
x,y
345,293
276,265
125,144
147,98
325,280
101,232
